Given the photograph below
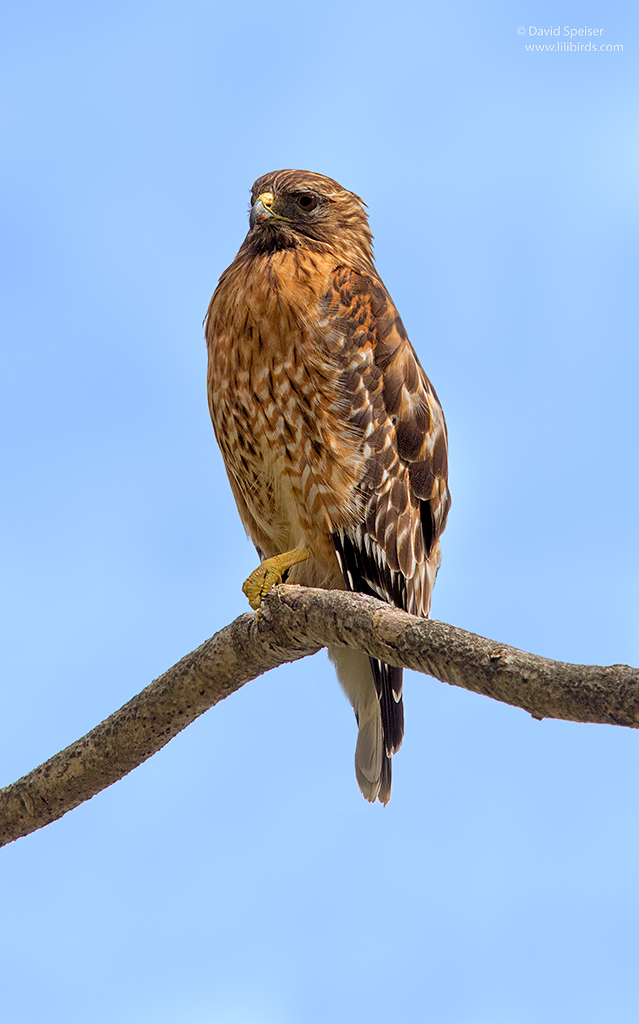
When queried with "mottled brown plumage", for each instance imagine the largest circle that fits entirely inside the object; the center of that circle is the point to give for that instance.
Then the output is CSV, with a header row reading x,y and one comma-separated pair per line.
x,y
333,438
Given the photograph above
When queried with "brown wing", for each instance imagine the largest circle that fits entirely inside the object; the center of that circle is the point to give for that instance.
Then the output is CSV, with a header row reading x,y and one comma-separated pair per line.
x,y
393,551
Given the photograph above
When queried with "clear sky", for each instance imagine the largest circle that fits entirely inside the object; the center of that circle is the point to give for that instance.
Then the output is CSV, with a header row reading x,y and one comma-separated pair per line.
x,y
238,877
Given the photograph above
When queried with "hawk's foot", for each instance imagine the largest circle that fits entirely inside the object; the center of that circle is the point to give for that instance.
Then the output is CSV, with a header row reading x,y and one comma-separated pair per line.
x,y
270,573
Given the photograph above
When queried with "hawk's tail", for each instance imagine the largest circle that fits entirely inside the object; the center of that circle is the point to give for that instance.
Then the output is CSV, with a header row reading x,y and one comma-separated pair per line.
x,y
374,690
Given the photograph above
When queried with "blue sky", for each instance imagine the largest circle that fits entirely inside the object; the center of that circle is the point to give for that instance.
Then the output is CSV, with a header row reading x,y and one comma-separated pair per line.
x,y
238,877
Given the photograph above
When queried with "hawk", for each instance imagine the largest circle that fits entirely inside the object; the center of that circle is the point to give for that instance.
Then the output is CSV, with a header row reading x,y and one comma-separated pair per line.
x,y
333,438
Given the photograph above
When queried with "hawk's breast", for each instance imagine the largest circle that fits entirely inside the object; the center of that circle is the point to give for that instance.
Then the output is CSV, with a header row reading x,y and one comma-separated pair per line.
x,y
277,398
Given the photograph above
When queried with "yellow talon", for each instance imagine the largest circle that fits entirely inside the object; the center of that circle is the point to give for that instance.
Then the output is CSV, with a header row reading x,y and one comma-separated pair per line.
x,y
270,573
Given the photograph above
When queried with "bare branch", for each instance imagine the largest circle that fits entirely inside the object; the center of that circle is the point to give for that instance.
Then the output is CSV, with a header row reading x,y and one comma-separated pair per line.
x,y
295,622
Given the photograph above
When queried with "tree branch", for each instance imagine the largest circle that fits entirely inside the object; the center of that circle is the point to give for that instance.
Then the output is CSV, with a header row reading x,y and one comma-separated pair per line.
x,y
293,623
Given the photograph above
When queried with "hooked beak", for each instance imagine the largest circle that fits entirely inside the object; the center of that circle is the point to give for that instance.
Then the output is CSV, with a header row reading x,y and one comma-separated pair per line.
x,y
262,210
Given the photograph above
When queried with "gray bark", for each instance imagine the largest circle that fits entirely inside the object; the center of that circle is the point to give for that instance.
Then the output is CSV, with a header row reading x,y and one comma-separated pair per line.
x,y
293,623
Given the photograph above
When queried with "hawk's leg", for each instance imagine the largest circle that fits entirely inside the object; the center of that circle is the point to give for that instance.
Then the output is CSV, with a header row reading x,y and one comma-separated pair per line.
x,y
270,572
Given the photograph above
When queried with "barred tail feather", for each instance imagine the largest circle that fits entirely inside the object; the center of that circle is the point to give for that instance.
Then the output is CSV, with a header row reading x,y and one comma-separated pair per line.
x,y
372,754
374,577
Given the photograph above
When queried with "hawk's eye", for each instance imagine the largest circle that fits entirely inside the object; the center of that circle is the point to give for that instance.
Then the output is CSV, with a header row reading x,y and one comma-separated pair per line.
x,y
306,202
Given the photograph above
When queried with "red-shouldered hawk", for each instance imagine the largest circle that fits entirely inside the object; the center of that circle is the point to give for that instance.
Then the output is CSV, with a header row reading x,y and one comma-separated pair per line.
x,y
332,435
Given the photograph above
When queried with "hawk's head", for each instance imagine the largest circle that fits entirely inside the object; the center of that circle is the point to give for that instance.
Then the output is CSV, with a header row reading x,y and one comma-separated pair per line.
x,y
301,209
